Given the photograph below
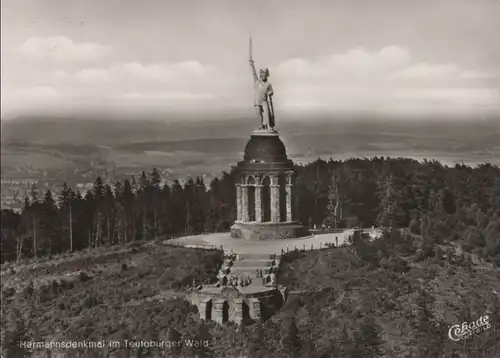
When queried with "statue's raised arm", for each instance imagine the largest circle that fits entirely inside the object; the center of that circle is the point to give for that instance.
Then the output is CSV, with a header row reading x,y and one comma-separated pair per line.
x,y
250,60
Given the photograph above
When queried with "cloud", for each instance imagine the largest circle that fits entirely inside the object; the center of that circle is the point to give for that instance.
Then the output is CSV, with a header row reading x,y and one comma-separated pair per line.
x,y
167,96
478,75
353,63
41,92
424,70
461,96
182,71
93,75
63,49
383,79
59,75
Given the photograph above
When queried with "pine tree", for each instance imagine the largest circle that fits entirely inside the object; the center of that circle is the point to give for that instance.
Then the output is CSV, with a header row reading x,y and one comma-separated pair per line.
x,y
31,218
109,209
388,202
145,198
65,202
128,200
90,218
333,202
156,200
80,222
178,208
165,204
11,234
98,191
50,239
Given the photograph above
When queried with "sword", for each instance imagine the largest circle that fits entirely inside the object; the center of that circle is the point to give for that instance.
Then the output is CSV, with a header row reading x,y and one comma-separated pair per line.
x,y
250,57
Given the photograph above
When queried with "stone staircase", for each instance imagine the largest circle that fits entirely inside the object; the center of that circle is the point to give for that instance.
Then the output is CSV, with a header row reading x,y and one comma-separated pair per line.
x,y
247,265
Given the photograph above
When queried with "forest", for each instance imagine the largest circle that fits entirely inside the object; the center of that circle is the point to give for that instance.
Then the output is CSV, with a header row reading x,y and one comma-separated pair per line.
x,y
99,273
458,203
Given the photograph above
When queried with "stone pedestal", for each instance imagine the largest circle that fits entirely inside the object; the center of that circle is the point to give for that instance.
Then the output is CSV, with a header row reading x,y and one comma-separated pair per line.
x,y
267,169
268,231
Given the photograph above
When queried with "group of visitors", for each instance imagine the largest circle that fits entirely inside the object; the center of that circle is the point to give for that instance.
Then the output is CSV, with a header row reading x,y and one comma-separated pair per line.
x,y
234,281
260,274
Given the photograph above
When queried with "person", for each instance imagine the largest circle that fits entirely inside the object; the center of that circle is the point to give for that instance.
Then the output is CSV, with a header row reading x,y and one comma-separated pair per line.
x,y
263,97
263,102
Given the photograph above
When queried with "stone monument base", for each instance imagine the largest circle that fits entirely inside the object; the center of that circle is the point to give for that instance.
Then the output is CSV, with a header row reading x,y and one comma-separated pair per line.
x,y
268,230
266,132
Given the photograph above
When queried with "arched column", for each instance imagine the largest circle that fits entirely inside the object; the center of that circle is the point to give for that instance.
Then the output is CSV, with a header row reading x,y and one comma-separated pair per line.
x,y
275,199
244,202
219,313
238,311
289,185
258,199
255,310
238,202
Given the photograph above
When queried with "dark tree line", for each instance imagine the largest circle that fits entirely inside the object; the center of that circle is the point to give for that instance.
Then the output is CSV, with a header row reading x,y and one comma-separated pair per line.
x,y
433,200
139,209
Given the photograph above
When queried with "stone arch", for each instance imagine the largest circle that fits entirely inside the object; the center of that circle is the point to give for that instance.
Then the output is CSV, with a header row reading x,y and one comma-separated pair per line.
x,y
266,177
205,308
225,312
266,198
245,310
250,180
208,310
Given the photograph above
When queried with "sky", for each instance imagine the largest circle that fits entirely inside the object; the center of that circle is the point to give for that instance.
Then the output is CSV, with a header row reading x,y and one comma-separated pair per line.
x,y
387,56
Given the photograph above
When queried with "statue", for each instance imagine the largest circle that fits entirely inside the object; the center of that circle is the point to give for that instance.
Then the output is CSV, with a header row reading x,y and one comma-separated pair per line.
x,y
263,101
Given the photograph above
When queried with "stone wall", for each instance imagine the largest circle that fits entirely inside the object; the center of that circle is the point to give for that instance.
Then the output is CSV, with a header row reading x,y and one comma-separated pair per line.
x,y
240,309
268,231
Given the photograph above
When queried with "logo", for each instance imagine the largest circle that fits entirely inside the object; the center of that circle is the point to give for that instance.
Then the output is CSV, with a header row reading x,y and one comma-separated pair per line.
x,y
464,331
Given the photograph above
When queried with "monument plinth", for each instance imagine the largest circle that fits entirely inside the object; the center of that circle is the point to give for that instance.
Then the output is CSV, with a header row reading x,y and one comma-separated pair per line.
x,y
264,191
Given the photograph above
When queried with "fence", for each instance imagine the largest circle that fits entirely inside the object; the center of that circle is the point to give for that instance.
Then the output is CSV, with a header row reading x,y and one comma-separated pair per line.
x,y
315,246
194,246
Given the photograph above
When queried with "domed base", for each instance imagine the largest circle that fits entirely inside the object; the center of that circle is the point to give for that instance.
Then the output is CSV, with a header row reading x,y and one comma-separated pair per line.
x,y
268,231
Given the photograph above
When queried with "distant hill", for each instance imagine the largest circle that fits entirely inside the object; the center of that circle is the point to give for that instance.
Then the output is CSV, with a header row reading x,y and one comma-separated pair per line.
x,y
197,147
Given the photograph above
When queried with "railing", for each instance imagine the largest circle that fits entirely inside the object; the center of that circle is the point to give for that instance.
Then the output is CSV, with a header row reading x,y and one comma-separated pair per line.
x,y
312,247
